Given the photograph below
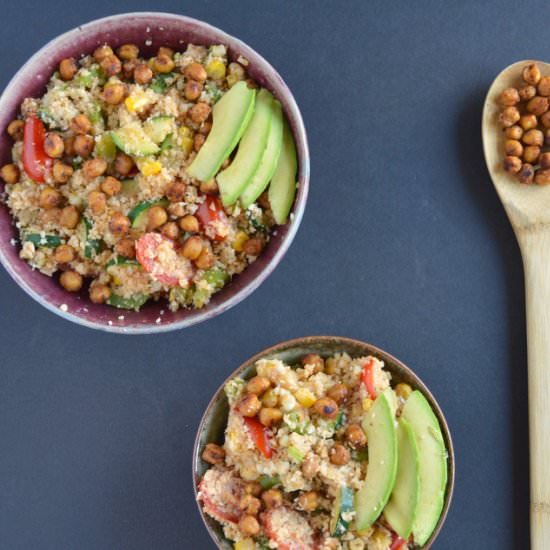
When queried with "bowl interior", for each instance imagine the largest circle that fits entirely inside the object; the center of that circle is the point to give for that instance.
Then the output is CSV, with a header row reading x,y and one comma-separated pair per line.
x,y
212,426
148,31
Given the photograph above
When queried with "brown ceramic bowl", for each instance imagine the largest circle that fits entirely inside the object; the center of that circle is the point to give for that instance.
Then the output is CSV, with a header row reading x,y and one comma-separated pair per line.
x,y
149,31
212,426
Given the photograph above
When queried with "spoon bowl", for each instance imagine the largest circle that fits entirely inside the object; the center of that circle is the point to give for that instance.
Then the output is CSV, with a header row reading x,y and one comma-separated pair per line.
x,y
528,209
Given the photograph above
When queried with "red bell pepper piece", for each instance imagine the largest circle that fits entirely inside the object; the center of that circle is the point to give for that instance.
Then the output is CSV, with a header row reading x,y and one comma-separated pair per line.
x,y
258,433
368,378
211,212
35,160
398,543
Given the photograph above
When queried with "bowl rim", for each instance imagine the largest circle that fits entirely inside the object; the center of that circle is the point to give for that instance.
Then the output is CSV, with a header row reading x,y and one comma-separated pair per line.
x,y
304,341
300,134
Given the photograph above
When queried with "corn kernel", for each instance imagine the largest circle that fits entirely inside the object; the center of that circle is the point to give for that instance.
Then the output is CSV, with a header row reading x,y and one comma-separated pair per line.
x,y
116,280
367,404
305,397
245,544
403,390
150,167
216,69
135,102
187,144
240,238
185,131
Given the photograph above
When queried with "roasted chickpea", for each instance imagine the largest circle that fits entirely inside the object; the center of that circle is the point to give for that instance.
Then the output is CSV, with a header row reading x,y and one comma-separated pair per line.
x,y
531,74
526,173
326,407
513,147
49,216
126,247
64,254
209,187
253,488
509,116
206,259
119,224
102,52
543,87
53,145
527,92
512,164
527,122
99,293
250,504
338,392
253,246
316,360
97,201
9,173
213,454
123,164
509,97
544,161
68,68
143,74
205,128
111,186
310,466
339,455
308,501
249,526
272,498
356,436
70,216
176,191
94,168
192,248
545,119
127,52
61,172
249,405
111,65
163,64
514,132
537,106
163,50
542,177
83,145
198,141
171,230
531,154
195,71
114,93
199,112
81,124
68,143
71,281
258,385
128,68
269,416
189,224
331,365
533,137
15,129
192,90
156,216
49,198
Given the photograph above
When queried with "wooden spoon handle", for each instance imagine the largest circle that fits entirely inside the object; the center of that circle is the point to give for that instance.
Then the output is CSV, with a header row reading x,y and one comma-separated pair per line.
x,y
536,259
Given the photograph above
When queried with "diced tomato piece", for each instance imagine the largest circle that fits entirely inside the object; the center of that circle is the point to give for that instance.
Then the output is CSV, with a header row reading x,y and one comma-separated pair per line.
x,y
368,378
258,433
220,492
212,218
158,256
298,534
398,543
34,158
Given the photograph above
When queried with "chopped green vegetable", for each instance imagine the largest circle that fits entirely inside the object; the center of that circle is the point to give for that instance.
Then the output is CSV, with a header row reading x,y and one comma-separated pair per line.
x,y
361,455
160,83
214,92
121,260
233,389
49,241
106,148
95,115
47,118
168,143
340,420
268,482
91,246
296,422
86,77
295,454
134,302
216,279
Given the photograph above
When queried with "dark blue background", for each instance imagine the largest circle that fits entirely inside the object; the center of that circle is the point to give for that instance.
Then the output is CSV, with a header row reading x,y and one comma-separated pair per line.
x,y
404,244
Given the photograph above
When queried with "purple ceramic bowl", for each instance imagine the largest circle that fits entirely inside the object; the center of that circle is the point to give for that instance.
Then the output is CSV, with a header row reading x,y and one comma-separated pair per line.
x,y
149,31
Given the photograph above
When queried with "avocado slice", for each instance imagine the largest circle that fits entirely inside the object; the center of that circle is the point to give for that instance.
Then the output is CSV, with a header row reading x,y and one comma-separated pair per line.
x,y
157,128
233,180
230,117
283,184
379,426
133,141
270,157
400,511
432,465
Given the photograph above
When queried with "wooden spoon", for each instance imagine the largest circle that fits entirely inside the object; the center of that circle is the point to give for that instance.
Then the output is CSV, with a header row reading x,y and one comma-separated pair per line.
x,y
528,208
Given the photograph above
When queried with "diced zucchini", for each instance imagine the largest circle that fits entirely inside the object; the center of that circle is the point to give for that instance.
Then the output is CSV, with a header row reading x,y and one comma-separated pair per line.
x,y
160,84
216,279
158,128
134,302
268,482
341,509
105,148
133,141
49,241
121,260
295,454
138,214
167,143
91,246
